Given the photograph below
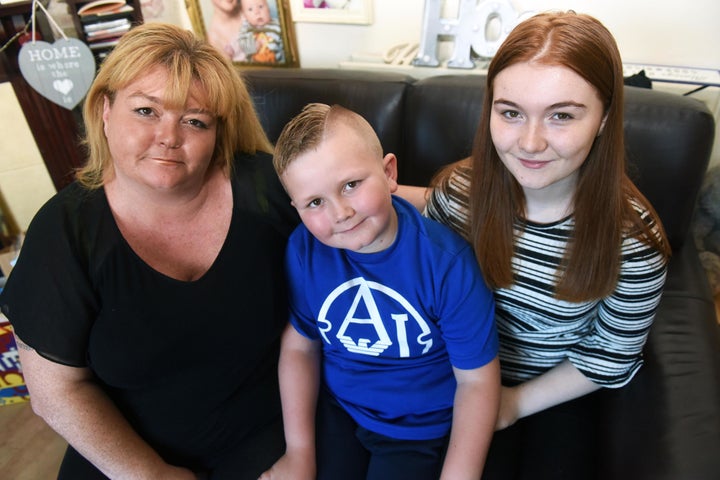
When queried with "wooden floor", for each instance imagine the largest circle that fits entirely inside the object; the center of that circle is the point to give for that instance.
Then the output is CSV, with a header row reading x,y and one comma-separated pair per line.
x,y
30,450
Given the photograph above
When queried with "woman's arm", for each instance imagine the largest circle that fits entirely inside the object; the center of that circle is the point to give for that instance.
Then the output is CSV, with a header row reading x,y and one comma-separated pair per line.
x,y
72,404
560,384
474,414
299,373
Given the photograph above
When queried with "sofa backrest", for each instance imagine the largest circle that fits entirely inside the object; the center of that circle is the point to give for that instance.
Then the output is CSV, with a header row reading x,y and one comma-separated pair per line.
x,y
443,114
669,139
431,122
280,94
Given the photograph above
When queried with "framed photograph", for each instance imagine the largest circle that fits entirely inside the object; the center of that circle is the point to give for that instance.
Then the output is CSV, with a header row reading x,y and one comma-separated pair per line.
x,y
333,11
168,11
256,33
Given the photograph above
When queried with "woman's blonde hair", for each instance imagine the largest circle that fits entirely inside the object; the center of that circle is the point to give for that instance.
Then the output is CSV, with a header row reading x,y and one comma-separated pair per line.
x,y
190,61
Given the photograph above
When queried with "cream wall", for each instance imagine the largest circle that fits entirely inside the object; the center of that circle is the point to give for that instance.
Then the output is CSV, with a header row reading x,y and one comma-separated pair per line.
x,y
657,31
24,181
649,31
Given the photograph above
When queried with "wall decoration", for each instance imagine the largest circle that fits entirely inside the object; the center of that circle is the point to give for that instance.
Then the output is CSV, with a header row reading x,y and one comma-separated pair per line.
x,y
61,72
153,10
249,32
168,11
478,27
333,11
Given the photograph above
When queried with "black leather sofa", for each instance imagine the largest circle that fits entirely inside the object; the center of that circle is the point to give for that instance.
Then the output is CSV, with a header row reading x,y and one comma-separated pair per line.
x,y
666,423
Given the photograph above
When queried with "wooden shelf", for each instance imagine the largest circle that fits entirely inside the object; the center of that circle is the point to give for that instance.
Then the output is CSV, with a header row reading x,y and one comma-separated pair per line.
x,y
55,129
102,44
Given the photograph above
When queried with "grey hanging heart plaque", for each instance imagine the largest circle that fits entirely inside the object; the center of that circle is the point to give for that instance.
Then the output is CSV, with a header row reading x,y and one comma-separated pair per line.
x,y
62,72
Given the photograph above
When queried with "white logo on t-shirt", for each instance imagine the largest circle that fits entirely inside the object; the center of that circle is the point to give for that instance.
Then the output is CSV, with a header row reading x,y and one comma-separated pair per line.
x,y
364,301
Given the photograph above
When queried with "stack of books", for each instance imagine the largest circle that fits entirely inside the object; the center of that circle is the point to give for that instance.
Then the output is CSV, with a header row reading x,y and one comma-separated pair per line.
x,y
104,22
12,383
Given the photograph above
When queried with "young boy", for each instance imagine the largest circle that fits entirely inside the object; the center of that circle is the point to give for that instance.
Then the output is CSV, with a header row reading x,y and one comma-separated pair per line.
x,y
391,337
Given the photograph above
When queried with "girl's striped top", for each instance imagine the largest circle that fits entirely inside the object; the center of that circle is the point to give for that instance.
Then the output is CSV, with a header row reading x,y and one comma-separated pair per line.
x,y
603,338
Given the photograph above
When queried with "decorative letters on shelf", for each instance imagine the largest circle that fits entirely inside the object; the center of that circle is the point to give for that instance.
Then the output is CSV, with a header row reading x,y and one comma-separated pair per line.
x,y
479,27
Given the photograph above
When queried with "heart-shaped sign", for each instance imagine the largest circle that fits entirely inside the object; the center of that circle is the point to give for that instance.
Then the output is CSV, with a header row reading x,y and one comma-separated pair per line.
x,y
62,72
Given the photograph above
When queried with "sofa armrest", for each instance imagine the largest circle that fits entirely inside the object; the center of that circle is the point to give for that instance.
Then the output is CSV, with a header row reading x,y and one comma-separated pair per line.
x,y
665,424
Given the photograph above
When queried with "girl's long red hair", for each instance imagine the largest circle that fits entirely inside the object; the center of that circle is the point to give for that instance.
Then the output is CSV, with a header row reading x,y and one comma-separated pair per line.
x,y
603,212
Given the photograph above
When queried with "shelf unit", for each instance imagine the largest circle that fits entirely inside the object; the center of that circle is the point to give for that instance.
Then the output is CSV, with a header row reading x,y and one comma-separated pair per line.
x,y
101,31
57,145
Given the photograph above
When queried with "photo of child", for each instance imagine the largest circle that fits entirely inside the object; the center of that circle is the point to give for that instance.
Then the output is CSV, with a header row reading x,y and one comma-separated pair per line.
x,y
333,11
225,25
326,3
260,39
247,31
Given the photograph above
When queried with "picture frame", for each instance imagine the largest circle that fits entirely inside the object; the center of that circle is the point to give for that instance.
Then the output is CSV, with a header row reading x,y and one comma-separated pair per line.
x,y
333,11
267,40
167,11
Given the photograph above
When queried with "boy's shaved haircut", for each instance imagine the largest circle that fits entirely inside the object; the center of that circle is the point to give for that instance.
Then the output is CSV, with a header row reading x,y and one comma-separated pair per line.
x,y
313,125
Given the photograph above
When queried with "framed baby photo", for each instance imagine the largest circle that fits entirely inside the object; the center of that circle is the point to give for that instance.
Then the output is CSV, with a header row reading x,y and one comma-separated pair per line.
x,y
256,33
333,11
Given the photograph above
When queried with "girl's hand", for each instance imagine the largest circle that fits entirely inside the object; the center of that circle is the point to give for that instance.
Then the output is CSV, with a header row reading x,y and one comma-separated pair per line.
x,y
509,411
291,466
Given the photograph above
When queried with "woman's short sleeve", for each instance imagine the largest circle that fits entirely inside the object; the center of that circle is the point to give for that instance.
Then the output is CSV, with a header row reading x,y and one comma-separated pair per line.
x,y
48,297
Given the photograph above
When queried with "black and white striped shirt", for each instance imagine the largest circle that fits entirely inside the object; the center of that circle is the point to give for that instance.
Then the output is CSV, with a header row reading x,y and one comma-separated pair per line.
x,y
603,339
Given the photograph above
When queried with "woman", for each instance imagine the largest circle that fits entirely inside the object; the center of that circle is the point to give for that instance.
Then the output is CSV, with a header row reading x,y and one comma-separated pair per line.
x,y
148,299
574,252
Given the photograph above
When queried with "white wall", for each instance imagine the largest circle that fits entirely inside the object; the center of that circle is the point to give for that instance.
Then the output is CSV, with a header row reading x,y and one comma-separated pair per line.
x,y
648,31
24,181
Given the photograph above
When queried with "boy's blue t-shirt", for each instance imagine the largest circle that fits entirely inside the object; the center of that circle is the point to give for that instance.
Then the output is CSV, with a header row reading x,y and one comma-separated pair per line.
x,y
394,323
